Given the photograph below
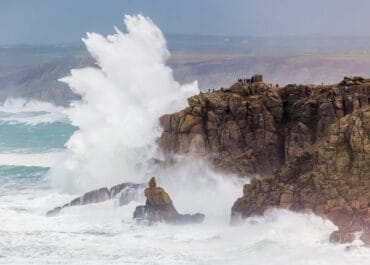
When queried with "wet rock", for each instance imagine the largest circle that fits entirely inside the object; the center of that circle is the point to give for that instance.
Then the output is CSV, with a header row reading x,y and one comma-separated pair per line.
x,y
342,237
308,143
127,192
331,178
139,212
54,211
159,208
95,196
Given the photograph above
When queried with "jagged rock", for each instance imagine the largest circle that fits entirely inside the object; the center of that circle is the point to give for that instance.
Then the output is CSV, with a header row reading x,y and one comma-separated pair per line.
x,y
255,128
127,192
159,208
330,178
309,144
94,196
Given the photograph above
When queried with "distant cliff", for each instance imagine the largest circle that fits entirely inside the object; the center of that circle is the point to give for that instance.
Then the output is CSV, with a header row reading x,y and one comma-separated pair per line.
x,y
310,145
32,72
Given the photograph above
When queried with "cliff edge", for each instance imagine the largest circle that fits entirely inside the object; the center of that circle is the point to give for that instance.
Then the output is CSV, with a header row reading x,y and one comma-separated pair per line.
x,y
254,128
308,144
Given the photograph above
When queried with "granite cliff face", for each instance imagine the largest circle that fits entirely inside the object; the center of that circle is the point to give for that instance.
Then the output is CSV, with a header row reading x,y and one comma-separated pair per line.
x,y
330,178
254,128
310,145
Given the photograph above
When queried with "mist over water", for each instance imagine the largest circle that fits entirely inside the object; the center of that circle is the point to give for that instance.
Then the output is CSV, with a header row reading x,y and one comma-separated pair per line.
x,y
112,136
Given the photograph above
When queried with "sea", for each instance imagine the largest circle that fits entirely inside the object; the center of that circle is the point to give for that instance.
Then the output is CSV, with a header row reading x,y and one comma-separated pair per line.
x,y
50,155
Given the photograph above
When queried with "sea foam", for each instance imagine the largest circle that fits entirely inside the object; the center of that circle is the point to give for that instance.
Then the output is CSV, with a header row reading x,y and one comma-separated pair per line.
x,y
30,112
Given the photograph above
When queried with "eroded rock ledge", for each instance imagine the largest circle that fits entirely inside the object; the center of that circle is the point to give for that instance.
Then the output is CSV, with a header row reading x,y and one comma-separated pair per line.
x,y
124,192
255,128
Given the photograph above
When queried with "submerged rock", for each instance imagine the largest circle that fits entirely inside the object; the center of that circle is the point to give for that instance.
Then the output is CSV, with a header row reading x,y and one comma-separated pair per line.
x,y
159,208
127,192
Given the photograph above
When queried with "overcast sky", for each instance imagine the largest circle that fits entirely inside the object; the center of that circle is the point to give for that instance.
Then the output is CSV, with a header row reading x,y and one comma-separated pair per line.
x,y
60,21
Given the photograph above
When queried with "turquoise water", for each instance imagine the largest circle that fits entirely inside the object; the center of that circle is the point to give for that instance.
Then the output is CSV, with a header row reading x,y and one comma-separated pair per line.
x,y
27,138
13,179
18,136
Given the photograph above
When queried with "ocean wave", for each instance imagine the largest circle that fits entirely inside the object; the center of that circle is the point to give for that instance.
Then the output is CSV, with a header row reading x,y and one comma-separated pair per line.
x,y
122,100
17,105
46,159
30,112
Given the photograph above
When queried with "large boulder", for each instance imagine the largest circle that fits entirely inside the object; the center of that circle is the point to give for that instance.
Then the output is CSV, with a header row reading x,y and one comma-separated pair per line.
x,y
125,192
159,208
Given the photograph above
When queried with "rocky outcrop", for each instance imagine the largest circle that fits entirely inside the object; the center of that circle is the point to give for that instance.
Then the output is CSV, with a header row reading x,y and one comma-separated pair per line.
x,y
125,192
308,145
255,128
330,178
159,208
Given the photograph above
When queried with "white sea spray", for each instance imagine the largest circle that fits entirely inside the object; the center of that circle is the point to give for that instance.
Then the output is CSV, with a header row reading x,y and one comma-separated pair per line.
x,y
122,100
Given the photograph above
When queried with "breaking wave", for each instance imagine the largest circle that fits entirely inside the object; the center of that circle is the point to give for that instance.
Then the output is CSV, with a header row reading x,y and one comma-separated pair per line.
x,y
122,100
46,159
30,112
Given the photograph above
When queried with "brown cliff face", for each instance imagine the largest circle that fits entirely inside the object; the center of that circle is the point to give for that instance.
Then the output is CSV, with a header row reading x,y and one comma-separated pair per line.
x,y
310,144
331,178
254,128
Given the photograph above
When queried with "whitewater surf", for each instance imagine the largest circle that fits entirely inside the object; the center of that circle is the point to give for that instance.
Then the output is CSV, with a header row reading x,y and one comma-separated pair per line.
x,y
49,155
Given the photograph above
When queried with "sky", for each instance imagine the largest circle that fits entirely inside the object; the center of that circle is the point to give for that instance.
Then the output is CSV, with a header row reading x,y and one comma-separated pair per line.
x,y
65,21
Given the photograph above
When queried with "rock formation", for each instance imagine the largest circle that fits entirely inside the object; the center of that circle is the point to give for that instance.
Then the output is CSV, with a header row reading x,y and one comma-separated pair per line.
x,y
331,178
159,208
309,144
125,192
255,128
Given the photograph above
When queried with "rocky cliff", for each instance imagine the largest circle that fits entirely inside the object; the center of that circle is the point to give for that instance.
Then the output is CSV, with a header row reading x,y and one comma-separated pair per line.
x,y
310,145
254,128
330,178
